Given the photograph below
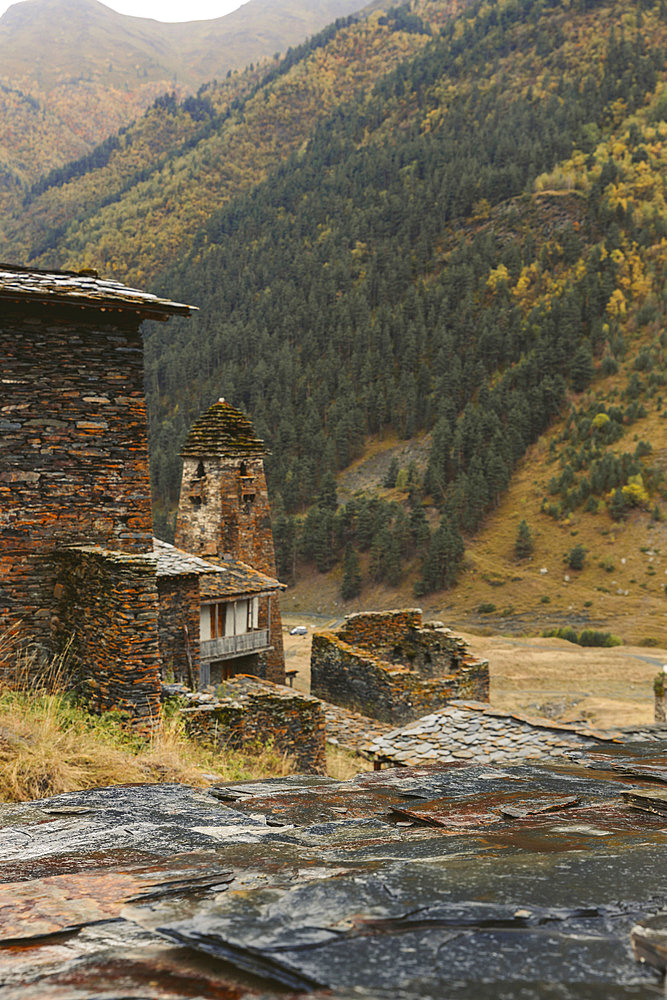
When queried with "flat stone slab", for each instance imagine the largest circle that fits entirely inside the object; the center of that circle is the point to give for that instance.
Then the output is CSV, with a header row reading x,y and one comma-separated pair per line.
x,y
466,881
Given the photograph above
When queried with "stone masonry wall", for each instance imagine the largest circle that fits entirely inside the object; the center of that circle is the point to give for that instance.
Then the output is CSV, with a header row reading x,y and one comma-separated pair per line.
x,y
660,689
295,723
379,629
357,679
73,449
178,628
389,666
216,517
106,606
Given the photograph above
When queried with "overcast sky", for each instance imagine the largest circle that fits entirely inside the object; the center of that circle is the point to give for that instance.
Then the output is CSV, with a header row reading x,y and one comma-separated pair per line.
x,y
167,10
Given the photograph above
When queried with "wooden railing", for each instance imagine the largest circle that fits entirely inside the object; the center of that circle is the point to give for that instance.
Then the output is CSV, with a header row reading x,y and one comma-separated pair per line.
x,y
234,645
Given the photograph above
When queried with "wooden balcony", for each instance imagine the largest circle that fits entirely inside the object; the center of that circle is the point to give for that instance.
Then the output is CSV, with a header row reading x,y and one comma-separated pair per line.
x,y
235,645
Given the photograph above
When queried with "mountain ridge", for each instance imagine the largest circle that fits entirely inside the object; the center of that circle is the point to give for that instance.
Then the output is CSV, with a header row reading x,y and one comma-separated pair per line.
x,y
73,74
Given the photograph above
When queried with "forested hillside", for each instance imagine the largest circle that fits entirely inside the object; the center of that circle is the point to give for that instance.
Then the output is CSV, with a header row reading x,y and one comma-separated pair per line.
x,y
72,72
446,223
454,252
137,200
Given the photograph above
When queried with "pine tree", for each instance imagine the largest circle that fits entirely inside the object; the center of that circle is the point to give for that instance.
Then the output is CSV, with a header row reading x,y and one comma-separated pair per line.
x,y
523,546
389,480
351,585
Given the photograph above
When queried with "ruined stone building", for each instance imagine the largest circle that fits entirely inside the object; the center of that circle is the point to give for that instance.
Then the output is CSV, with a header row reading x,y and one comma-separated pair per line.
x,y
392,666
78,562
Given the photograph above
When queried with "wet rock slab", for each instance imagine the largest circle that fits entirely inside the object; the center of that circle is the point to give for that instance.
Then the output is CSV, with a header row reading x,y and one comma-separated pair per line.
x,y
455,881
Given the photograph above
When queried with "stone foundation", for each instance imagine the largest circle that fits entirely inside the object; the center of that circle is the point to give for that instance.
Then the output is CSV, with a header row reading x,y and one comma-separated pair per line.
x,y
247,711
389,666
106,610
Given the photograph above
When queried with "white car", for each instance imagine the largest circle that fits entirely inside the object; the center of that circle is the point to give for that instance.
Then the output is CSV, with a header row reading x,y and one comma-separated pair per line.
x,y
299,630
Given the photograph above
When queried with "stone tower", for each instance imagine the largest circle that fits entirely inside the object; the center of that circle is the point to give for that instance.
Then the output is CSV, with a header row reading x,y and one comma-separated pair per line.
x,y
224,510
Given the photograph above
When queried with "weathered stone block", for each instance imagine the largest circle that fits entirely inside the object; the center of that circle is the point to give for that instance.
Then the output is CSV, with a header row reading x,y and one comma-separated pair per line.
x,y
248,711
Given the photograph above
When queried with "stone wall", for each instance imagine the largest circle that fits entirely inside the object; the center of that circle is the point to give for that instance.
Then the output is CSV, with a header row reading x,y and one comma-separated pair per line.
x,y
419,670
73,448
379,629
106,611
660,690
178,628
248,711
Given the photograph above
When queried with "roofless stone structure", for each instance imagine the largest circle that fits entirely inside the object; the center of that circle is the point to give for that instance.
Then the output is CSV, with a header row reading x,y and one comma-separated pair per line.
x,y
224,515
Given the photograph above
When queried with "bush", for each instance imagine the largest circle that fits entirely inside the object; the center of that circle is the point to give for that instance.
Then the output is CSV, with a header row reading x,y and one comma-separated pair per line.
x,y
589,637
576,557
486,609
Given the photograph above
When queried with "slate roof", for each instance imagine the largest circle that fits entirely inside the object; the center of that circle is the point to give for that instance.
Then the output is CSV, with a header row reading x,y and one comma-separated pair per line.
x,y
240,689
236,578
175,562
226,578
83,289
222,431
471,731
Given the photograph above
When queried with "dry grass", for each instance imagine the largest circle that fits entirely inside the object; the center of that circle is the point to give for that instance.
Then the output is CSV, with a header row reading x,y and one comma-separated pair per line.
x,y
342,765
50,744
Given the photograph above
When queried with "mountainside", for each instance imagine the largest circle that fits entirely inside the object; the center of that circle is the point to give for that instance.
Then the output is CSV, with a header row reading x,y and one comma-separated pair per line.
x,y
128,206
72,72
446,226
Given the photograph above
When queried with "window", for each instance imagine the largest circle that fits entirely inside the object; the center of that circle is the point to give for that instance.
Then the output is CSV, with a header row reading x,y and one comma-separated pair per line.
x,y
229,618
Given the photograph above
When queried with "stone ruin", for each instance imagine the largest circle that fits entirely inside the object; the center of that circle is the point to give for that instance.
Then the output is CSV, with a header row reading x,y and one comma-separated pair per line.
x,y
245,711
391,666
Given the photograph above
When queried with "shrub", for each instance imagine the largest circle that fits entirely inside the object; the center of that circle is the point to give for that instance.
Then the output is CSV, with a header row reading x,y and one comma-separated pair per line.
x,y
589,637
576,557
486,608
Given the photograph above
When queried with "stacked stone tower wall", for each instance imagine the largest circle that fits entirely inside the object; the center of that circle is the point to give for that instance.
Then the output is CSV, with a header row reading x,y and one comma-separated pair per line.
x,y
224,508
74,459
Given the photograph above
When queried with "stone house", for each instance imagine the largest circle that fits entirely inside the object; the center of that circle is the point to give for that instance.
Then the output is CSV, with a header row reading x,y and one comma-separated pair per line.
x,y
219,605
78,563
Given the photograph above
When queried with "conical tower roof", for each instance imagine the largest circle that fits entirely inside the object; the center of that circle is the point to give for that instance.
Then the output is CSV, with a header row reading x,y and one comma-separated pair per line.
x,y
222,431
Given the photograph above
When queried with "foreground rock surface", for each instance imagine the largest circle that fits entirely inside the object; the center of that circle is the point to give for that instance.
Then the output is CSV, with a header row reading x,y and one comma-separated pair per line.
x,y
527,881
